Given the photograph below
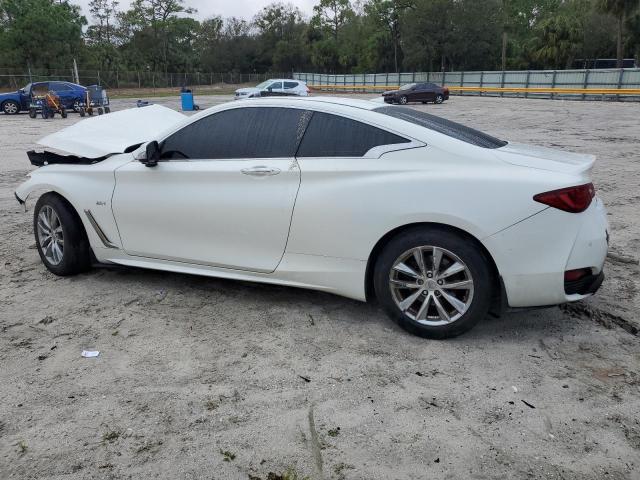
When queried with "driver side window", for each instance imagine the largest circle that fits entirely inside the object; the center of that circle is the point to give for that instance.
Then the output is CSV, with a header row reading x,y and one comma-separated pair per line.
x,y
248,132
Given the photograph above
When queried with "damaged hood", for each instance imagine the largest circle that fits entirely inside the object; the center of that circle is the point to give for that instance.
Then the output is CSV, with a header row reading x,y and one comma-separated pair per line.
x,y
114,132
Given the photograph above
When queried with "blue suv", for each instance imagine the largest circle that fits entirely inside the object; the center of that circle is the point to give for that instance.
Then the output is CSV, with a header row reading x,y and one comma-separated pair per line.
x,y
71,95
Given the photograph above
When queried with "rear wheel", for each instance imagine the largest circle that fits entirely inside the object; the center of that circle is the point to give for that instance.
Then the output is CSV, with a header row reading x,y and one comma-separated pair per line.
x,y
403,100
10,107
100,111
433,282
32,113
63,113
82,112
60,237
108,109
77,105
439,98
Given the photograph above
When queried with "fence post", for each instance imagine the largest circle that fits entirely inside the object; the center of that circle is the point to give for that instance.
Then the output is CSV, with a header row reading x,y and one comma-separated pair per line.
x,y
429,75
526,85
553,84
502,84
444,76
462,82
585,83
620,82
481,82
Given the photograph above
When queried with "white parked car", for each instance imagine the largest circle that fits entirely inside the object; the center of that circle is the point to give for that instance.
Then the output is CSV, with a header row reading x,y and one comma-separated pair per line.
x,y
275,87
438,222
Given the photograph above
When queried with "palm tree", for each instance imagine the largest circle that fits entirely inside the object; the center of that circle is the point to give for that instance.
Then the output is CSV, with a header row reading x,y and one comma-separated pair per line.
x,y
619,9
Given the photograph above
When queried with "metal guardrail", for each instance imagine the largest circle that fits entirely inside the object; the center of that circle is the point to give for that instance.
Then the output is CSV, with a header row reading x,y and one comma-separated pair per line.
x,y
621,84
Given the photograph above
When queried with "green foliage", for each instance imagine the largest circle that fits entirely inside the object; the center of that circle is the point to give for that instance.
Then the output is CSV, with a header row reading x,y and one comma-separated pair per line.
x,y
339,37
42,33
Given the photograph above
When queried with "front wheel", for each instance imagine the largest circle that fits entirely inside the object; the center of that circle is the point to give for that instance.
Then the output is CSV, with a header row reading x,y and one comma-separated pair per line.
x,y
403,100
433,282
439,99
60,237
32,113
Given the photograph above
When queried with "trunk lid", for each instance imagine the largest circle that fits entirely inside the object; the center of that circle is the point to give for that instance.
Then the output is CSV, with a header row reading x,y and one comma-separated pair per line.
x,y
543,158
112,133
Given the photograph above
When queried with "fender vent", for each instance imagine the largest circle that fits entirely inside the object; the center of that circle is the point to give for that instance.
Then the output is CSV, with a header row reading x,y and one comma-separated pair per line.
x,y
103,238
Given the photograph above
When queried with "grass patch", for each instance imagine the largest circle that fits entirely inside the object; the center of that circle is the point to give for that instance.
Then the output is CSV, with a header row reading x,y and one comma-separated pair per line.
x,y
227,456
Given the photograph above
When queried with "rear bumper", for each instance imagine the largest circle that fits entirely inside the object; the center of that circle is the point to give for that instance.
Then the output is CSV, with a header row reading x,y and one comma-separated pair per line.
x,y
532,255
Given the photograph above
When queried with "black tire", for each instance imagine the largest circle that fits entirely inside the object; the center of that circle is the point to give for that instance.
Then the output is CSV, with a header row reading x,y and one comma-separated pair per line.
x,y
44,113
478,270
90,111
100,111
77,105
439,99
107,110
82,112
33,113
423,102
10,107
63,113
403,100
76,253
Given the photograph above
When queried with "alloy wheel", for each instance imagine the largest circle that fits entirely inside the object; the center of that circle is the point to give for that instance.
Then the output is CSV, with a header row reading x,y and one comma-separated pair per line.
x,y
50,235
403,100
431,285
10,108
439,99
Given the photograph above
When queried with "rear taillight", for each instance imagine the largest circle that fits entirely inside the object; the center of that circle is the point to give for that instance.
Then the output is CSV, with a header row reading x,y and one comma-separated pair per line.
x,y
572,199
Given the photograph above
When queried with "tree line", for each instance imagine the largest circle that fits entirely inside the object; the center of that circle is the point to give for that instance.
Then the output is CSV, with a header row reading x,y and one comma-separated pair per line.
x,y
341,36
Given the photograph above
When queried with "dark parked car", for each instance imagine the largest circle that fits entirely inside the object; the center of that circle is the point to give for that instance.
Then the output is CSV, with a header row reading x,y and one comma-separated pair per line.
x,y
70,94
417,92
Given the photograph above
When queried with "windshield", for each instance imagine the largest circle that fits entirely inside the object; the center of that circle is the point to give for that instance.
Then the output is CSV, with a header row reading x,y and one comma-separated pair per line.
x,y
264,84
408,86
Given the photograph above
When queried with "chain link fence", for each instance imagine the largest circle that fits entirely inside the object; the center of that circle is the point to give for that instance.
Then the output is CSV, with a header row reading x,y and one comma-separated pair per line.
x,y
621,84
13,79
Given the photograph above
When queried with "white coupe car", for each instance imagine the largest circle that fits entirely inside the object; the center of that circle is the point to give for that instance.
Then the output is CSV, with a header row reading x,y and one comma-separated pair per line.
x,y
438,222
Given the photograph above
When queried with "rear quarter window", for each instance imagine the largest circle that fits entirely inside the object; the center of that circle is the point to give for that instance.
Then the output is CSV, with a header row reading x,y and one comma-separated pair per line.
x,y
330,135
444,126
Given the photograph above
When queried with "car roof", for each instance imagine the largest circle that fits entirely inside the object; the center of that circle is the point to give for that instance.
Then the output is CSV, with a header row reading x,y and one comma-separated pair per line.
x,y
284,80
342,101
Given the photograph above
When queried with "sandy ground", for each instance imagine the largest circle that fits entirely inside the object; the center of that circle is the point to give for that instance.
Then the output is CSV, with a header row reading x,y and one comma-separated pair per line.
x,y
203,378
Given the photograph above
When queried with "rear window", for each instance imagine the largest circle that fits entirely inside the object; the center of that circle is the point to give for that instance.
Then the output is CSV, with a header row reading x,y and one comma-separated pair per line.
x,y
444,126
290,85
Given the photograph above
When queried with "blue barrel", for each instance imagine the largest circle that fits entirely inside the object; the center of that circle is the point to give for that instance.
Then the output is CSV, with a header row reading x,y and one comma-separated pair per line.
x,y
187,101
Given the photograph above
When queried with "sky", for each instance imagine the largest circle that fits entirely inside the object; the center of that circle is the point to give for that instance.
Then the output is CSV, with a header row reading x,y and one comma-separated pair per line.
x,y
246,9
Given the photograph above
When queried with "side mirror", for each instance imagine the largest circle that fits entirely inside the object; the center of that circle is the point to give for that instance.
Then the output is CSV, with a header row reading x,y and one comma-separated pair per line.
x,y
152,154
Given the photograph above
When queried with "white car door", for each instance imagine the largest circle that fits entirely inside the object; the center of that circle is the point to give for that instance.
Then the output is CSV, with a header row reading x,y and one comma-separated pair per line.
x,y
222,194
276,87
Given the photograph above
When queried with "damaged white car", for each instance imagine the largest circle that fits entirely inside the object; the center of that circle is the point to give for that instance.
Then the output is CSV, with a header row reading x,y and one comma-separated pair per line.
x,y
439,223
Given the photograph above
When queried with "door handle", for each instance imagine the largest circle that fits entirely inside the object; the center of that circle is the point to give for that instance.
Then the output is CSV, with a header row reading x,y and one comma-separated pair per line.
x,y
260,171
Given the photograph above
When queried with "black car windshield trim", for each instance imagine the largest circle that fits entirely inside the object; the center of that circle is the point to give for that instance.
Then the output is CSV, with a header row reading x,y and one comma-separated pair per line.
x,y
444,126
